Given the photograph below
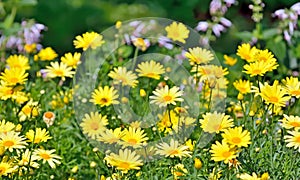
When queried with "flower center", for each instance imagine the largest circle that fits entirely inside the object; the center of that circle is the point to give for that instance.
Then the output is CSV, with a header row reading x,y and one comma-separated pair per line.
x,y
124,165
295,124
94,126
48,115
295,92
8,143
14,80
45,156
59,72
226,154
2,170
26,110
217,127
273,99
132,141
236,140
256,71
103,100
174,152
167,98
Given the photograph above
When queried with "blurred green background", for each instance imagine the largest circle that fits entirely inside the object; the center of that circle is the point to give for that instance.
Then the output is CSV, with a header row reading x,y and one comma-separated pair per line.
x,y
67,18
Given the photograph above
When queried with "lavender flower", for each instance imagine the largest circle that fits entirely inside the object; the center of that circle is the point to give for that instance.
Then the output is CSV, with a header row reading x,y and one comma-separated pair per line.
x,y
281,14
215,6
225,22
217,29
165,42
202,26
296,8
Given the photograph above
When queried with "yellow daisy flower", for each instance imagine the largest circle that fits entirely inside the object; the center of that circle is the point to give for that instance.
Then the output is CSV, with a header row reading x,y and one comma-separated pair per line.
x,y
292,85
121,75
29,110
237,137
173,149
59,70
111,136
246,176
49,118
222,152
94,124
11,140
165,96
47,156
215,122
14,76
125,160
177,32
47,54
229,60
6,167
150,69
274,94
199,55
26,157
246,52
179,171
140,44
243,86
165,123
289,122
6,126
104,96
71,60
40,135
293,139
30,48
133,137
88,40
18,61
209,72
257,68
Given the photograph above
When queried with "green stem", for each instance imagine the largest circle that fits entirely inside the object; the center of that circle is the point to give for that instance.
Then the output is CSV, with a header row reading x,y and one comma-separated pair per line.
x,y
136,52
210,97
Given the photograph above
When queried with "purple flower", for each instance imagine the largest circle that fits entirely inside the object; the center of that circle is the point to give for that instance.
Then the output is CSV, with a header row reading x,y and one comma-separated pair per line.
x,y
296,8
287,36
202,26
214,6
229,2
217,29
225,22
165,42
280,13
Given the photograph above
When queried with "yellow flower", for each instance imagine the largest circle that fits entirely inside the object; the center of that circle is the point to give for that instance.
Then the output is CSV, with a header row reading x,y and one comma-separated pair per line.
x,y
88,40
293,139
30,48
40,135
71,60
237,137
292,85
49,118
246,176
215,122
215,175
6,167
197,163
26,157
209,72
229,60
289,122
257,68
29,110
111,136
125,160
133,137
118,24
11,140
165,123
166,96
246,52
190,144
150,69
140,44
6,126
104,96
18,61
47,156
178,171
94,124
243,86
265,176
14,76
47,54
121,75
143,93
59,70
222,152
274,94
177,32
173,149
199,55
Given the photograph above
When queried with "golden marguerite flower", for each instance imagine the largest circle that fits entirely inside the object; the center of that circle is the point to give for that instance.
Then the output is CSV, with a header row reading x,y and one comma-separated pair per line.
x,y
47,156
59,70
14,76
229,60
246,52
11,140
293,139
150,69
6,126
292,85
257,68
88,40
177,32
6,167
26,157
125,160
290,122
237,137
94,124
165,96
215,122
111,136
133,137
105,96
199,55
123,76
222,152
243,86
47,54
71,60
140,44
174,149
37,136
18,61
246,176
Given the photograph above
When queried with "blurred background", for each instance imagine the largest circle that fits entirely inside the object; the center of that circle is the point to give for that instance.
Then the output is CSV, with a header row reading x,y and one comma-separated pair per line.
x,y
67,18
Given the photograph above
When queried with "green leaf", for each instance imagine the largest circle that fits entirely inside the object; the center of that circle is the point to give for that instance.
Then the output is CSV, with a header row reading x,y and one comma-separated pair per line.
x,y
278,48
269,33
27,2
245,35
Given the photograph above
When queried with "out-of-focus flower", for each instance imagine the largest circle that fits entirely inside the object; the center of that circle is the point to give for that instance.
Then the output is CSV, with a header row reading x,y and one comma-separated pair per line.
x,y
104,96
229,60
165,42
49,118
165,96
122,76
177,32
88,40
46,54
217,29
202,26
150,69
71,60
94,124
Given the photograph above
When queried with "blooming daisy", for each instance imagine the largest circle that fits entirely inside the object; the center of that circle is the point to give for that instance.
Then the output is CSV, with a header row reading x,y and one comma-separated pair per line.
x,y
18,61
237,137
292,85
133,137
207,72
178,171
140,44
59,70
243,86
88,40
215,122
47,156
93,124
11,140
199,55
25,157
14,76
177,32
125,160
111,136
293,139
165,123
173,149
289,122
246,176
49,118
71,60
229,60
274,94
121,75
246,52
222,152
150,69
47,54
6,126
104,96
166,96
257,68
30,48
40,135
6,167
29,110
